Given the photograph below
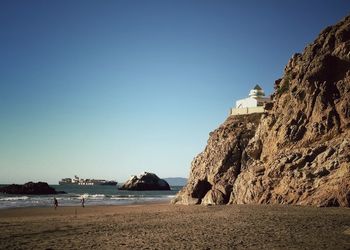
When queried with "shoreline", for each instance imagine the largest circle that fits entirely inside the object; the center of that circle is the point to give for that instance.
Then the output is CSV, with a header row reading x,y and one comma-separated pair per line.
x,y
163,226
99,200
70,210
26,211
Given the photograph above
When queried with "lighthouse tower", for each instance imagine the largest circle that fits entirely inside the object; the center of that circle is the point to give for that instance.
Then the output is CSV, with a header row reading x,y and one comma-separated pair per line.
x,y
257,92
252,104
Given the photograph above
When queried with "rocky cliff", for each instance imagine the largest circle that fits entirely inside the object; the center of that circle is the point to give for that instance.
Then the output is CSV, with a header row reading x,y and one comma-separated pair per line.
x,y
296,153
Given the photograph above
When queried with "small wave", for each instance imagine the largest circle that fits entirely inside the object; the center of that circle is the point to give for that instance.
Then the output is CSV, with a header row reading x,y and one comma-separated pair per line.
x,y
96,196
92,196
17,198
121,198
74,194
127,196
131,197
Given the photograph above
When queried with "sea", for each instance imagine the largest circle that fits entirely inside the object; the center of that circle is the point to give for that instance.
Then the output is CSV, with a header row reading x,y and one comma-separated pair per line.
x,y
93,195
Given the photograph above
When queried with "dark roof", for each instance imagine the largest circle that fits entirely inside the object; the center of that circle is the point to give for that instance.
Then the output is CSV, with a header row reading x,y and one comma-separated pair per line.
x,y
257,87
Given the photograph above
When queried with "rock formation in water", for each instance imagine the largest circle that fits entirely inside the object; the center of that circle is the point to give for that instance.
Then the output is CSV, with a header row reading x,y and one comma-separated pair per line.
x,y
296,153
146,181
31,188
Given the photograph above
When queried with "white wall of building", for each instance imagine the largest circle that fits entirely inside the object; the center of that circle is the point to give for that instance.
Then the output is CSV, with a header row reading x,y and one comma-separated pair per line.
x,y
247,103
246,111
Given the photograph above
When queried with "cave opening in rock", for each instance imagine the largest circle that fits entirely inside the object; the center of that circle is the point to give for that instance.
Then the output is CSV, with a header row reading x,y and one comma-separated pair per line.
x,y
201,188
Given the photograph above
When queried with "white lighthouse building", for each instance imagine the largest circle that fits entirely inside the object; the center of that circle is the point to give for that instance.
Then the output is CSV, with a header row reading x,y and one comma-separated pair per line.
x,y
252,104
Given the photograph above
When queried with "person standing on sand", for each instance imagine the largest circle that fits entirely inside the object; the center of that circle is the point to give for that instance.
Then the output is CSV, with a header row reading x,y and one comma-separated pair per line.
x,y
83,202
55,202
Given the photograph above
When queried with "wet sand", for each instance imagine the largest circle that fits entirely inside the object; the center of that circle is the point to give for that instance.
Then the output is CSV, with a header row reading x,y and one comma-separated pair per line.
x,y
164,226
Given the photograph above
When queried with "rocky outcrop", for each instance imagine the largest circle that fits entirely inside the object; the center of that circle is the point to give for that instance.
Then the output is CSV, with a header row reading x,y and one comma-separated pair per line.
x,y
299,152
31,188
146,181
215,170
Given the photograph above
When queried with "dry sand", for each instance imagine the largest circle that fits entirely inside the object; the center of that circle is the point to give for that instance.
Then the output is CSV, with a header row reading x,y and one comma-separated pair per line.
x,y
164,226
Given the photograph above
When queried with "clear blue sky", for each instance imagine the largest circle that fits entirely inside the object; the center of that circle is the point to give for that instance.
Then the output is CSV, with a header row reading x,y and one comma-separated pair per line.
x,y
107,89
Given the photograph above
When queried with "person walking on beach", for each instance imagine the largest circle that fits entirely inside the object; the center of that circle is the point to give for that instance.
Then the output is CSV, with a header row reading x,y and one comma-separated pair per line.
x,y
83,202
55,203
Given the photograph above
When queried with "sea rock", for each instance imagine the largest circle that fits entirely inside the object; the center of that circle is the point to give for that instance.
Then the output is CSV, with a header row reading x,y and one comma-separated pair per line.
x,y
299,151
146,181
39,188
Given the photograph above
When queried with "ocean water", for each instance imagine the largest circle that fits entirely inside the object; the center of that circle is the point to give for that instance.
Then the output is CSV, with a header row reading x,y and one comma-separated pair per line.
x,y
94,195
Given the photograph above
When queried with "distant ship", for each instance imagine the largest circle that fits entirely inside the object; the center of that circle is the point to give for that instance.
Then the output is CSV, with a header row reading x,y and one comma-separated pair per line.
x,y
85,182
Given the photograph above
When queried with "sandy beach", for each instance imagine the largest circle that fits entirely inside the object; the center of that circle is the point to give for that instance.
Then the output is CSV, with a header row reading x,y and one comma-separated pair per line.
x,y
164,226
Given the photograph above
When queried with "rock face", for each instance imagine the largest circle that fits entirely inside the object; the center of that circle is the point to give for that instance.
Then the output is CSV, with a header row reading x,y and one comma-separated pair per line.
x,y
215,170
299,151
39,188
146,181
